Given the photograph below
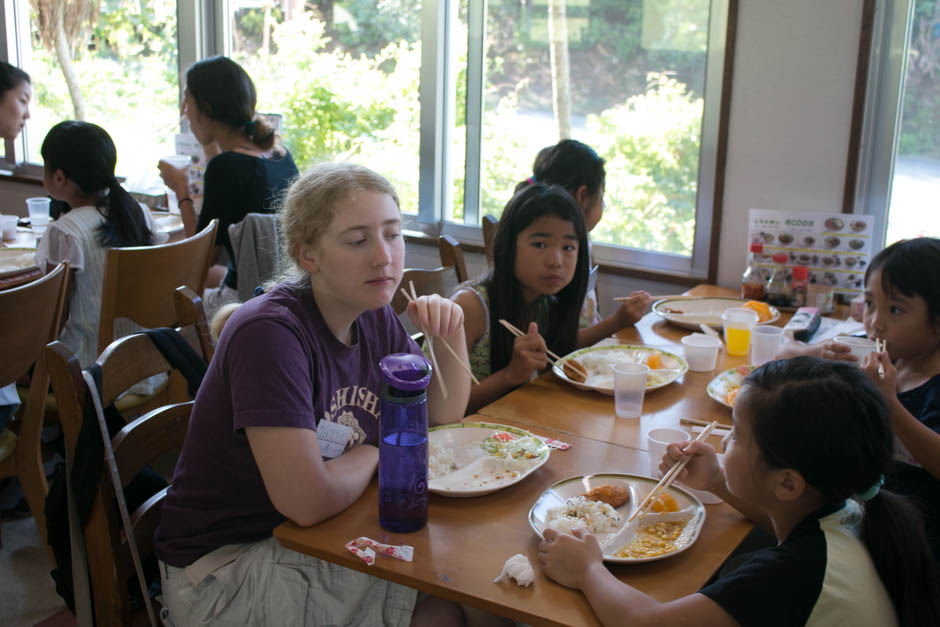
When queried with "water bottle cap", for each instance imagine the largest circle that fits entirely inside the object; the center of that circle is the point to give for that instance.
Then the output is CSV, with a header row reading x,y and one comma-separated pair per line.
x,y
407,372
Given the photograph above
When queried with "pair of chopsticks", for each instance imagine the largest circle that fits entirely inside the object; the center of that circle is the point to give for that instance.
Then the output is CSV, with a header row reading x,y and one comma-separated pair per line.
x,y
670,476
552,357
662,297
880,347
413,296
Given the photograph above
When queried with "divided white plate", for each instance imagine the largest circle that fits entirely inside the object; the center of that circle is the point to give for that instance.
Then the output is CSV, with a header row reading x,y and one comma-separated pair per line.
x,y
478,473
691,510
673,367
723,384
698,311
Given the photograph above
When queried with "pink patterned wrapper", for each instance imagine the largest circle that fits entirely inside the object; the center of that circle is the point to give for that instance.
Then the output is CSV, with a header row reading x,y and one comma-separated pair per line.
x,y
366,548
557,444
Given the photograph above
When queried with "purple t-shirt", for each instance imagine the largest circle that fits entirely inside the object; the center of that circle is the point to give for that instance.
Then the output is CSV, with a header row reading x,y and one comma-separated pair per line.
x,y
277,365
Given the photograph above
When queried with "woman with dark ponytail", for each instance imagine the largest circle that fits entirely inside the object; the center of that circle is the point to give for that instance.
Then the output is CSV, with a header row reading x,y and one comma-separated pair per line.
x,y
78,168
806,460
247,170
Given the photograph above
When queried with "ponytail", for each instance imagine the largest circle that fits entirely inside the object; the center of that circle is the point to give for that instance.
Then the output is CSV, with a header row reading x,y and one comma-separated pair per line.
x,y
893,533
86,155
124,223
260,133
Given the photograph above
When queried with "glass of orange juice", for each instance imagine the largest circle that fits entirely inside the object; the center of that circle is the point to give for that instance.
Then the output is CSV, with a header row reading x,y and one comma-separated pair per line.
x,y
738,324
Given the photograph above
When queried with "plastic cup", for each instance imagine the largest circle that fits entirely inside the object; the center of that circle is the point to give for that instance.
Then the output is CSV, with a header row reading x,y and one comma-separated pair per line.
x,y
701,351
765,344
8,227
38,209
860,346
180,162
629,389
738,324
656,441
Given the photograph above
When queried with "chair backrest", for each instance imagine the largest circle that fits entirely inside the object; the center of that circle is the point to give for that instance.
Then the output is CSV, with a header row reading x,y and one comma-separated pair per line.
x,y
255,244
441,281
29,319
30,316
191,314
139,282
452,256
125,362
489,234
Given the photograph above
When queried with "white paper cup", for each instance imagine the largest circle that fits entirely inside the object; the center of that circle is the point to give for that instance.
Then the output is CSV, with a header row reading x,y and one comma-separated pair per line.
x,y
765,344
701,351
178,161
656,441
629,389
860,346
8,227
38,209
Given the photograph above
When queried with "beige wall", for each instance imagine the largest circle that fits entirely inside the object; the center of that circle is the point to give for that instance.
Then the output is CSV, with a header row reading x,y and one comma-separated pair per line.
x,y
13,196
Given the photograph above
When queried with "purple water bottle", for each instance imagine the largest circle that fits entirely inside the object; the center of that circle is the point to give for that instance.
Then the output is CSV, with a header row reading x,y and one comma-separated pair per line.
x,y
403,442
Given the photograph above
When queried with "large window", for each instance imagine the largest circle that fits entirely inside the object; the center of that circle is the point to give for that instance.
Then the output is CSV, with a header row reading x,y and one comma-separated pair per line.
x,y
450,99
899,177
118,69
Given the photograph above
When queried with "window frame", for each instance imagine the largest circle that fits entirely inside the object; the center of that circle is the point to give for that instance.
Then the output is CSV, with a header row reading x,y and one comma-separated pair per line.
x,y
203,30
881,114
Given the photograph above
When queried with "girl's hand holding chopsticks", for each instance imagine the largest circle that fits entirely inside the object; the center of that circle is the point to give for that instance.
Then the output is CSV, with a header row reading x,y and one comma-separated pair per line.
x,y
529,353
702,472
436,316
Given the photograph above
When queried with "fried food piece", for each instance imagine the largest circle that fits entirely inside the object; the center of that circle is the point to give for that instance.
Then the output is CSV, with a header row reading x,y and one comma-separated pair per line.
x,y
671,310
574,370
613,495
665,502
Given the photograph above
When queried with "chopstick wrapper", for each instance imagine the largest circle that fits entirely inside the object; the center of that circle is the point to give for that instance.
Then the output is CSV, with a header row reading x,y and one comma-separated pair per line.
x,y
365,549
553,443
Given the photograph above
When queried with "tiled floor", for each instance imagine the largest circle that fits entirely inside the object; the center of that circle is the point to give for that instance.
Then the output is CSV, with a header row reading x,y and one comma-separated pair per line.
x,y
27,592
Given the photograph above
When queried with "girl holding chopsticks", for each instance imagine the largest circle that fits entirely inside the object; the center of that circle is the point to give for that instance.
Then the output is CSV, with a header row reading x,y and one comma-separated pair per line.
x,y
810,444
537,283
580,170
286,421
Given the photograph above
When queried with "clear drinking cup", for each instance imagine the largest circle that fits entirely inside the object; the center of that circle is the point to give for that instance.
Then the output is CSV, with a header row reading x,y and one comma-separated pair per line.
x,y
738,324
765,344
629,389
38,210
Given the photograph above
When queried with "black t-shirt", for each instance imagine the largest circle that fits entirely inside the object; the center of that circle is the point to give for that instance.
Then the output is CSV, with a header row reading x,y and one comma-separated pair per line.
x,y
236,185
820,575
918,485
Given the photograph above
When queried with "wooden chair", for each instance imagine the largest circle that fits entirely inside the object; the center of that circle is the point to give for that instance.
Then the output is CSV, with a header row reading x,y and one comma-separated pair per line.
x,y
191,315
125,362
139,282
452,256
30,316
489,235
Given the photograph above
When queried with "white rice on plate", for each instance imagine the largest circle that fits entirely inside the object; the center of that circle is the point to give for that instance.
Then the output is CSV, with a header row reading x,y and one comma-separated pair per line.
x,y
441,461
594,516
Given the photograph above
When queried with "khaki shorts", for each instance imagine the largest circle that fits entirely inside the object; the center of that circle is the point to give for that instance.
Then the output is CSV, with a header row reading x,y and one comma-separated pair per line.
x,y
267,584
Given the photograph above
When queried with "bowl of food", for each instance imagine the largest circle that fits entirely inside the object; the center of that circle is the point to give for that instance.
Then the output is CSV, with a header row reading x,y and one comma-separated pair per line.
x,y
834,224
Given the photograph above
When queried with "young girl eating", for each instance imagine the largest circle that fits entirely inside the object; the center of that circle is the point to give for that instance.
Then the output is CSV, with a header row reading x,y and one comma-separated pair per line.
x,y
810,443
580,170
902,307
537,283
290,363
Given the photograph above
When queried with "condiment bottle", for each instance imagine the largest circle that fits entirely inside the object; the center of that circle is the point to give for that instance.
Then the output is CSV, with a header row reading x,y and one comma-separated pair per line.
x,y
798,286
752,281
403,442
778,288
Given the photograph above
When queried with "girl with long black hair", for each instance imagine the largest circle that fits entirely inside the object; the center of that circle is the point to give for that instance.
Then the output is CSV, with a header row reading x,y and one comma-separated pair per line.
x,y
538,281
78,168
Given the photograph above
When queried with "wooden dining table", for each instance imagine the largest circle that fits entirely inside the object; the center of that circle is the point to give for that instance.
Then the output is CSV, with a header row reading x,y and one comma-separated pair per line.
x,y
467,540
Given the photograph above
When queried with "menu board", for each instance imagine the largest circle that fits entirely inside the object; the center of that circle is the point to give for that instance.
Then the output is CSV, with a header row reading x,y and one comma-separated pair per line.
x,y
836,247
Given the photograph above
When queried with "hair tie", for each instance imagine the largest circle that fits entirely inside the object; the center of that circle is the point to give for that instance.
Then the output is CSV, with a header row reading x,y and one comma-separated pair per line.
x,y
249,127
530,180
871,492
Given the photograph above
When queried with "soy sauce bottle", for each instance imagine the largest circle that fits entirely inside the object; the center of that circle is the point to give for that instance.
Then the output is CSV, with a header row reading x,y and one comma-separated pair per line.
x,y
778,287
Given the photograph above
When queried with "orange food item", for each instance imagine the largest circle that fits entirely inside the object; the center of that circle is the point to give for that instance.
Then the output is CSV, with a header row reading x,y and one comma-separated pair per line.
x,y
613,495
574,370
731,396
665,502
761,309
654,361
